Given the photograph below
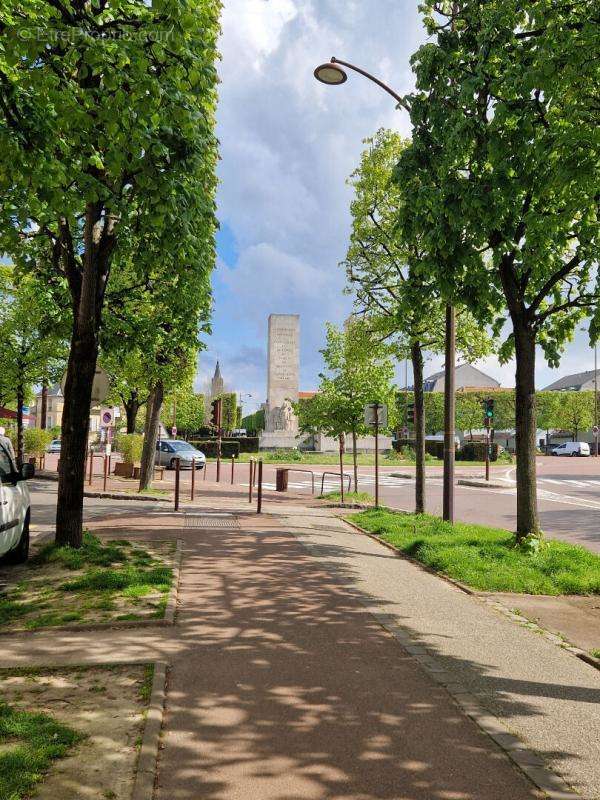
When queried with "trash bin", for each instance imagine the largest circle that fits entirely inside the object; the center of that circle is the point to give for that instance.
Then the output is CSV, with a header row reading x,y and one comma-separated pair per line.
x,y
281,480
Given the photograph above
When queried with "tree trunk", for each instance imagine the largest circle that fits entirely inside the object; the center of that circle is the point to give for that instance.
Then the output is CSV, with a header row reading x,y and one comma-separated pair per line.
x,y
527,514
154,405
75,425
87,278
44,405
20,403
132,406
354,459
417,365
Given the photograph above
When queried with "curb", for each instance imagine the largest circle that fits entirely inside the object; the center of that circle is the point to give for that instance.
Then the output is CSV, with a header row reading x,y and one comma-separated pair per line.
x,y
495,604
524,758
167,619
145,775
483,484
45,476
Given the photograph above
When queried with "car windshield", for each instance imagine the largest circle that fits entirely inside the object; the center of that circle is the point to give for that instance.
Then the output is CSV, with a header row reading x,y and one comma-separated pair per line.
x,y
181,446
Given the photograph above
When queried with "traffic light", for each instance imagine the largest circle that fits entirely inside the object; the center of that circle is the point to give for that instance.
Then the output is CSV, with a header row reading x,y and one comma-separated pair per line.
x,y
488,407
215,413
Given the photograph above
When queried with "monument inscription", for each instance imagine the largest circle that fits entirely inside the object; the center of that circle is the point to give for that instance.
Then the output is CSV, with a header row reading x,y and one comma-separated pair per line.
x,y
281,425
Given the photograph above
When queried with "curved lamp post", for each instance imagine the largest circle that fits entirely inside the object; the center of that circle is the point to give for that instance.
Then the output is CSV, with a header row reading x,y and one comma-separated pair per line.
x,y
333,73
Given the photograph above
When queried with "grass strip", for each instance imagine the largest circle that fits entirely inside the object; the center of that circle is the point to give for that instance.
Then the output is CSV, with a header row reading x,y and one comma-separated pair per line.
x,y
483,558
349,497
107,571
30,743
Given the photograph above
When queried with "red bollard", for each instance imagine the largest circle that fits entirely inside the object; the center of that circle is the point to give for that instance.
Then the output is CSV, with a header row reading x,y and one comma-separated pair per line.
x,y
105,472
251,479
232,468
177,467
260,473
193,478
205,469
91,467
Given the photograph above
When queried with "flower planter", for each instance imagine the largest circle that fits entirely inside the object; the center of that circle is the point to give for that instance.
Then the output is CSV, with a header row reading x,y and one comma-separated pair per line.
x,y
125,469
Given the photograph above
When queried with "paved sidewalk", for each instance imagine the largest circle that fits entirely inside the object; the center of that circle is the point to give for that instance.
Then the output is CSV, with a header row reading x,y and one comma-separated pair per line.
x,y
546,696
283,685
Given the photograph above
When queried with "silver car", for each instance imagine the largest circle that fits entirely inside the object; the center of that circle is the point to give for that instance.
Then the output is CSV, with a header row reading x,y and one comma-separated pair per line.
x,y
169,450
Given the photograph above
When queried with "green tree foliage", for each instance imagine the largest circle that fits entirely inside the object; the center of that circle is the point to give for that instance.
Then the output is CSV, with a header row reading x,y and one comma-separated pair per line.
x,y
229,411
254,422
106,137
32,342
401,303
575,412
189,410
504,178
359,370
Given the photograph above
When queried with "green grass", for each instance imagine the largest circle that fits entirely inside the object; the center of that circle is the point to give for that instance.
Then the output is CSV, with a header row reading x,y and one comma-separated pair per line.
x,y
30,743
349,497
486,558
106,572
595,653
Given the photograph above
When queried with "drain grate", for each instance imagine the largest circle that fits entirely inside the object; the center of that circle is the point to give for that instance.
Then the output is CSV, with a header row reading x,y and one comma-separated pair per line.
x,y
210,521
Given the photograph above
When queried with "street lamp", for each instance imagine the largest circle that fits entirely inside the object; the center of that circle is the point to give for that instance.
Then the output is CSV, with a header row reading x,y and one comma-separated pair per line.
x,y
245,394
333,74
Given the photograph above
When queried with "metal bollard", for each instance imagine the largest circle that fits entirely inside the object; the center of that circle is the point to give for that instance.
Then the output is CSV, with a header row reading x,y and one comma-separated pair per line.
x,y
259,498
232,468
105,473
193,479
251,464
177,467
91,467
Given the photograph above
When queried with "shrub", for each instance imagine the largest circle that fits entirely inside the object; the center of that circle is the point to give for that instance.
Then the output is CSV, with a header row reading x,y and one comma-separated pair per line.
x,y
475,451
285,456
130,446
35,441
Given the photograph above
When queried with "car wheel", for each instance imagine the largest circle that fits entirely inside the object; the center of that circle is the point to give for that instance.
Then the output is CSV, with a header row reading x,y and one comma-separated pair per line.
x,y
21,552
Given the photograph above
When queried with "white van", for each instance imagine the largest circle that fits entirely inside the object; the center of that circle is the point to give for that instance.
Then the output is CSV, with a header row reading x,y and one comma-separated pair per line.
x,y
572,449
14,505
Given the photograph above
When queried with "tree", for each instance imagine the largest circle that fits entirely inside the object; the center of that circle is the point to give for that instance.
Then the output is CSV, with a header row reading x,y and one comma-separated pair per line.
x,y
229,411
547,405
469,412
104,136
359,371
402,304
575,412
504,178
31,346
189,410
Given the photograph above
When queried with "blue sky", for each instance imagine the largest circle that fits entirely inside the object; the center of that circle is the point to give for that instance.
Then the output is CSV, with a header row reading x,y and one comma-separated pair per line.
x,y
288,145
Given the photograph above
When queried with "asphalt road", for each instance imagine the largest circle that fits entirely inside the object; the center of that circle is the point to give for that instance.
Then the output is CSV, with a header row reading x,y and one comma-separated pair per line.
x,y
568,493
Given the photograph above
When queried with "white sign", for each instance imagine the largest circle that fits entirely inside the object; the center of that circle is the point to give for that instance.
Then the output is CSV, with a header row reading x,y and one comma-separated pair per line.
x,y
108,449
595,430
100,386
174,431
376,413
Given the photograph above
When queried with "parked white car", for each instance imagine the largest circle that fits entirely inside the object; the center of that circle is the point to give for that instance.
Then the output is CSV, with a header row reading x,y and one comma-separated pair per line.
x,y
169,450
572,449
54,446
14,505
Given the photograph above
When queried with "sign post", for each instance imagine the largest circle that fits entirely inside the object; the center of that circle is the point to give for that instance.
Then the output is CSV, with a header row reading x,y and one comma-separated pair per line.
x,y
376,415
342,448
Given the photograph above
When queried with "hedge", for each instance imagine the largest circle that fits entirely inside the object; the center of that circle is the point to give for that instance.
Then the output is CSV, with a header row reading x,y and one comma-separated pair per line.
x,y
475,451
209,448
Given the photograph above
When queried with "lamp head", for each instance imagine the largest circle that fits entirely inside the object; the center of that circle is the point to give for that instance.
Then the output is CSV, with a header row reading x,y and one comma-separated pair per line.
x,y
331,74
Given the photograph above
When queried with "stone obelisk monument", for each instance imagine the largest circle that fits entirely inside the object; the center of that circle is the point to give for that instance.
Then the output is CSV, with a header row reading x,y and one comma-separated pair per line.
x,y
281,425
